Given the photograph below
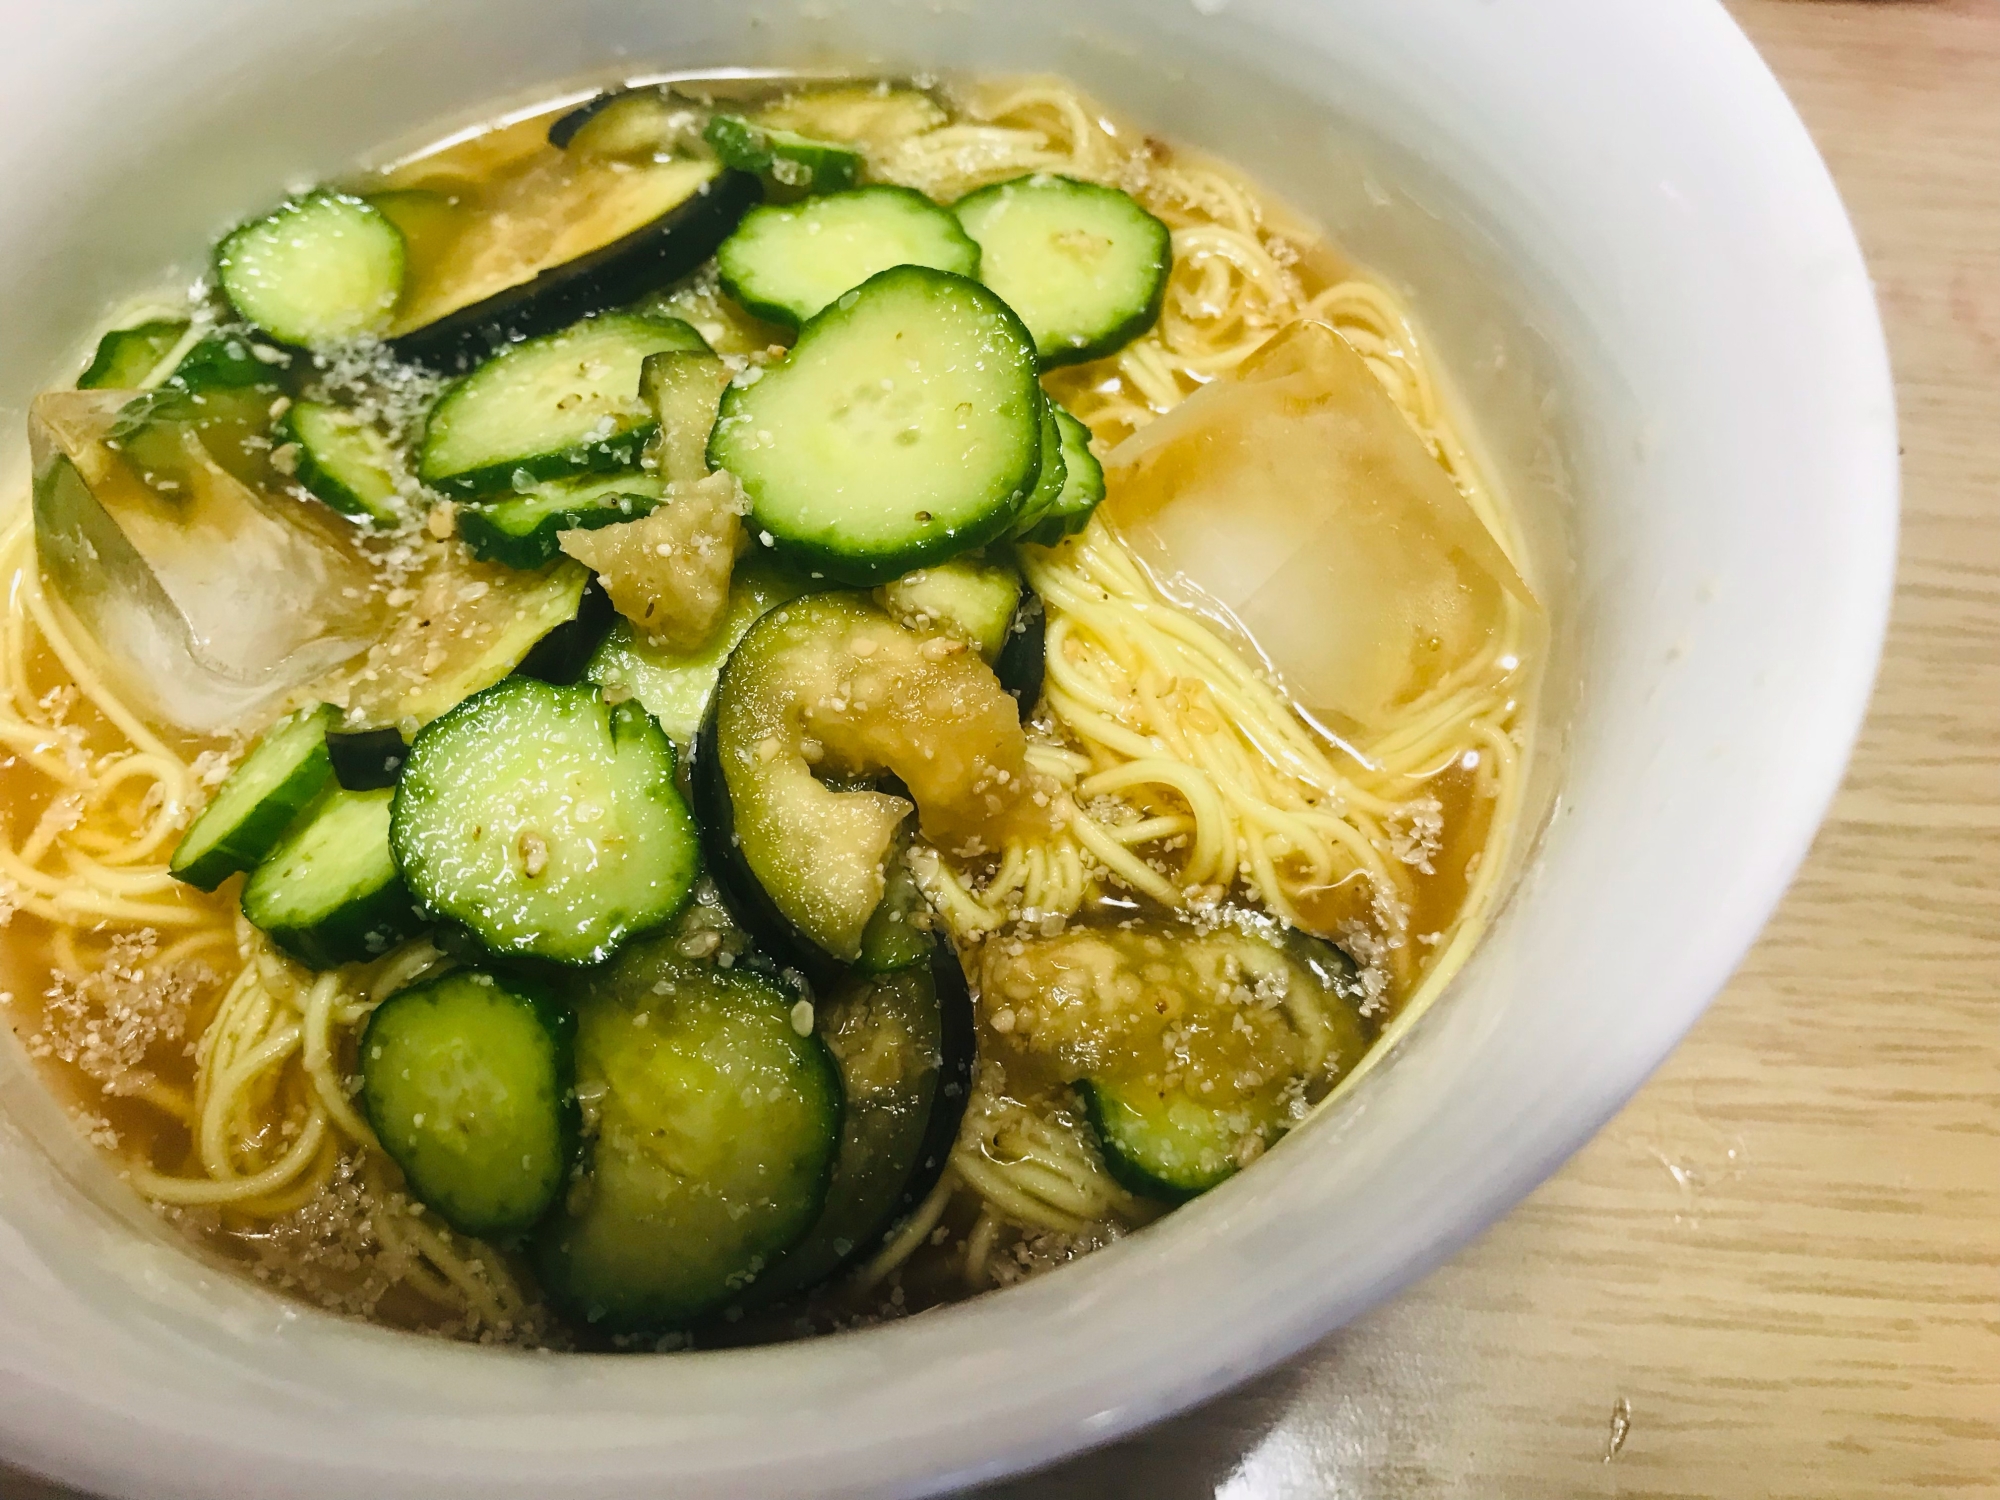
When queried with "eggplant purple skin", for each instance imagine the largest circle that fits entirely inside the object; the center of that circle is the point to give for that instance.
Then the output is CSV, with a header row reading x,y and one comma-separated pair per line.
x,y
566,126
650,257
560,656
1023,660
742,893
366,760
958,1038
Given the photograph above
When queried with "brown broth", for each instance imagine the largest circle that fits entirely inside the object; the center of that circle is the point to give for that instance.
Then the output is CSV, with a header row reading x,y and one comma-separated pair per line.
x,y
318,1249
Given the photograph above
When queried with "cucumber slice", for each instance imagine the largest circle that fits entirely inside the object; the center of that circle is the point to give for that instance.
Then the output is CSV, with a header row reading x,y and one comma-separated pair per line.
x,y
716,1127
366,760
343,461
675,687
330,894
904,428
784,157
467,1081
1049,485
1023,660
785,263
261,799
228,361
904,1043
126,356
970,599
1083,264
1082,487
865,114
523,531
683,390
564,404
545,822
222,392
315,271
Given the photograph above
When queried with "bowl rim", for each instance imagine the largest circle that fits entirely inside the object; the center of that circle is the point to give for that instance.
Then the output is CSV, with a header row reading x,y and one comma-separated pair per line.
x,y
1043,1427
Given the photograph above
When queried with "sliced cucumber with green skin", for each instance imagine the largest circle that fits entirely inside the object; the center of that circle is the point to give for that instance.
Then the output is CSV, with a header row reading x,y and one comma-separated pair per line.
x,y
784,157
561,655
343,461
228,360
1083,264
564,404
972,599
904,428
786,262
330,893
1049,486
639,256
1167,1145
222,390
315,271
468,1083
683,389
716,1127
126,356
675,687
261,799
905,1045
1082,488
523,531
1023,660
546,822
366,760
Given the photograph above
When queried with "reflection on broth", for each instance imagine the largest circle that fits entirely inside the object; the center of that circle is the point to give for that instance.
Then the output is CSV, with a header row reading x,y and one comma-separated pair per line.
x,y
565,790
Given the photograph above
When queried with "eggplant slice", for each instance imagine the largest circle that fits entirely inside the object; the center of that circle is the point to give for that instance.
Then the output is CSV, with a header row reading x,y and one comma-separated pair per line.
x,y
905,1046
545,237
742,893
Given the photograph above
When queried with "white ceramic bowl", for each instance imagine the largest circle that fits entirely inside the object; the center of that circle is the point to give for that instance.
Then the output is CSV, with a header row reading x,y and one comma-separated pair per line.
x,y
1613,194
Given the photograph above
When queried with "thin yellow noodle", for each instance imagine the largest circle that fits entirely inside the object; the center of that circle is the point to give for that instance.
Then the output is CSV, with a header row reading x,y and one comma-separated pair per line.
x,y
978,1246
326,1083
910,1236
1175,734
190,1191
1225,770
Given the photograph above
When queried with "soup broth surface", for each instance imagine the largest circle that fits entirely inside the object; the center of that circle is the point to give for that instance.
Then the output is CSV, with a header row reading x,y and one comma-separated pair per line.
x,y
1259,806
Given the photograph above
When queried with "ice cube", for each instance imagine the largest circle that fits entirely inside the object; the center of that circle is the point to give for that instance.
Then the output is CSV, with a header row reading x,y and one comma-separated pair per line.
x,y
1295,500
210,600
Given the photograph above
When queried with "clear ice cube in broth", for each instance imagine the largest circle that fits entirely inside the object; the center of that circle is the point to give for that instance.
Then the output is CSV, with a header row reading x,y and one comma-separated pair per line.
x,y
210,600
1296,500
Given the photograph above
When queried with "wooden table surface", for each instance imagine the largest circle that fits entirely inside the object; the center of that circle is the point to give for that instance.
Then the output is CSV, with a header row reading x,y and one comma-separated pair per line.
x,y
1777,1273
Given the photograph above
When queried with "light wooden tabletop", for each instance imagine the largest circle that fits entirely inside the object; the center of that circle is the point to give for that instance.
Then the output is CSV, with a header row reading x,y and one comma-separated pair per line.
x,y
1777,1273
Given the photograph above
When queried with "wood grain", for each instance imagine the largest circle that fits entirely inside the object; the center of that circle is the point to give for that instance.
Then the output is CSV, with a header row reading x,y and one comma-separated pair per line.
x,y
1777,1273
